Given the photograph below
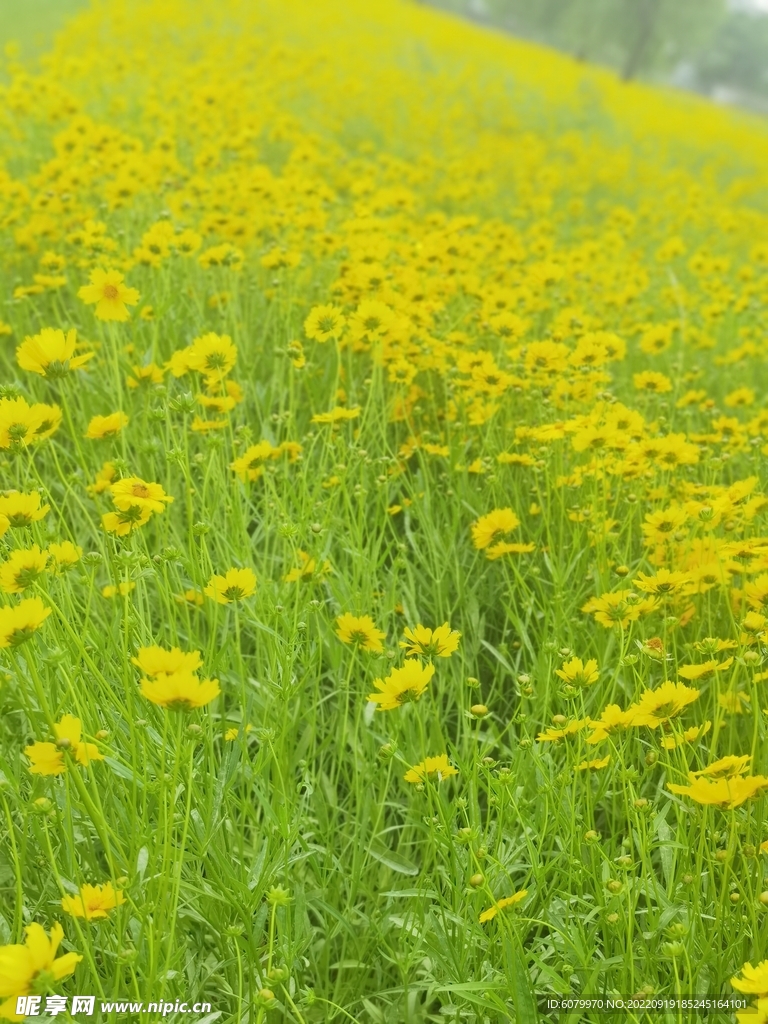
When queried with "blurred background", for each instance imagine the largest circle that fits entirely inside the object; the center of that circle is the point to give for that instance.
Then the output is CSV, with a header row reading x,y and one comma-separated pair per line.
x,y
716,47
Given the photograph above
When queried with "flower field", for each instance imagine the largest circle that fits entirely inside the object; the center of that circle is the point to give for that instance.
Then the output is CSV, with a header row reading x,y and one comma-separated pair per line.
x,y
383,537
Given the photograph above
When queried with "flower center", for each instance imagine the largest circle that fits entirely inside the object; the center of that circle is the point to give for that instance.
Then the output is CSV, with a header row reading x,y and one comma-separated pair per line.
x,y
111,292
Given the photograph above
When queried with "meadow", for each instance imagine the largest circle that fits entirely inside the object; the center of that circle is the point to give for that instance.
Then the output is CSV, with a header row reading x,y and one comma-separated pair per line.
x,y
383,552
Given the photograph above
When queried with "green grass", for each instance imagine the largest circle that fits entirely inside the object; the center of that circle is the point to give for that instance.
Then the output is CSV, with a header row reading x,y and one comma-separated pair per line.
x,y
33,23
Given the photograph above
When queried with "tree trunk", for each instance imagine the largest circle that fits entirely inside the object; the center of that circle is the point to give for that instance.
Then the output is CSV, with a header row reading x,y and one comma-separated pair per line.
x,y
648,11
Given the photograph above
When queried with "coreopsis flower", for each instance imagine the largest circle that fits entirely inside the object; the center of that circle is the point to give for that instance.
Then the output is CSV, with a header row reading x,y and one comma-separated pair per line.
x,y
508,901
22,424
726,767
619,608
651,380
579,673
190,597
64,555
180,690
145,376
19,621
753,980
704,669
440,642
689,736
133,492
201,426
402,686
431,767
249,465
93,901
505,547
124,521
611,719
20,509
659,527
324,323
51,354
106,426
726,792
157,661
337,415
234,731
593,766
22,567
359,631
308,571
109,294
662,704
492,527
371,321
234,585
50,758
118,590
25,968
562,730
213,355
104,478
664,583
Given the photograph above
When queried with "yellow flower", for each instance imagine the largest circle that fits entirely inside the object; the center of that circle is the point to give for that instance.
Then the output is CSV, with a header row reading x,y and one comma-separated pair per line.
x,y
324,322
402,685
430,643
93,902
234,585
144,376
106,426
212,355
21,569
561,730
360,631
123,522
234,731
121,589
753,980
662,704
248,466
51,354
180,690
20,509
438,766
22,967
109,294
578,673
308,570
650,380
703,670
192,597
612,718
19,621
133,492
663,584
508,901
157,661
726,767
491,527
22,424
726,792
336,415
594,766
49,759
104,478
65,555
